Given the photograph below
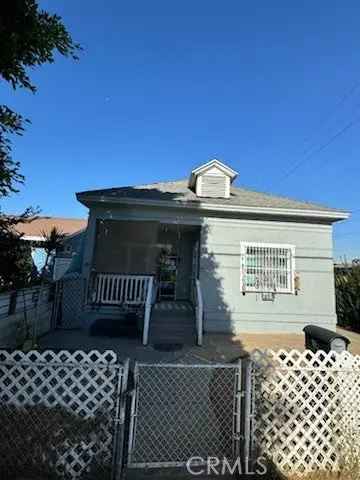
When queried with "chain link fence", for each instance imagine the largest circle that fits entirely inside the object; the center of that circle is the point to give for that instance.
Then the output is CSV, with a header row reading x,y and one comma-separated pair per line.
x,y
61,415
69,302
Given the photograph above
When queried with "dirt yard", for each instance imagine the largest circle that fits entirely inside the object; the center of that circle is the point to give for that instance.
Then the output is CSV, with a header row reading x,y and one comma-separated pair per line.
x,y
225,348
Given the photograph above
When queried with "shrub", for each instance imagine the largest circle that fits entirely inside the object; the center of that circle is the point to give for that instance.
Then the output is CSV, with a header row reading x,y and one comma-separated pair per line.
x,y
347,285
38,437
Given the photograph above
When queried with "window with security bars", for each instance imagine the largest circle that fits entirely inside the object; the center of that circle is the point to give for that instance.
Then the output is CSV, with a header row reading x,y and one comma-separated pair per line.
x,y
267,267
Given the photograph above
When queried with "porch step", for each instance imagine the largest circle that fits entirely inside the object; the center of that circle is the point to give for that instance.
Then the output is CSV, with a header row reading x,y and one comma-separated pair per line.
x,y
173,307
172,322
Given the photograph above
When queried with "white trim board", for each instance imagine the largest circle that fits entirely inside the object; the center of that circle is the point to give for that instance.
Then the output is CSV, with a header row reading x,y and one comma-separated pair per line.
x,y
274,211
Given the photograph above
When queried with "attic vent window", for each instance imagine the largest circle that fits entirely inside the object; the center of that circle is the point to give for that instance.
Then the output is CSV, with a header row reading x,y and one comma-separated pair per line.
x,y
214,186
212,180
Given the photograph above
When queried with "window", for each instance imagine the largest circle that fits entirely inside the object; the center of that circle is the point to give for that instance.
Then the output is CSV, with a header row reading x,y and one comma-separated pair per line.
x,y
267,267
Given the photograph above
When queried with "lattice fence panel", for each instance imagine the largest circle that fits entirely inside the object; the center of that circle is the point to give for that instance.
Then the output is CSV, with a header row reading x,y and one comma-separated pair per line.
x,y
184,411
57,412
306,406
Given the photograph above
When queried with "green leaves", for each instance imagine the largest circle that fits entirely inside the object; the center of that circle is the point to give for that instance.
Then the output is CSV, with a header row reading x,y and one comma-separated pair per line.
x,y
347,285
30,37
10,123
52,240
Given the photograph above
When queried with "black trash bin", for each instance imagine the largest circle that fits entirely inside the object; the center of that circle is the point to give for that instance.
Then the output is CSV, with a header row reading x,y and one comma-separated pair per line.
x,y
318,338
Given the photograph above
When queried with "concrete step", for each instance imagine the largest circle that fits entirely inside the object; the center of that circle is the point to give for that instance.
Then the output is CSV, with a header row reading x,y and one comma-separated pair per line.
x,y
172,322
170,338
173,307
185,340
173,328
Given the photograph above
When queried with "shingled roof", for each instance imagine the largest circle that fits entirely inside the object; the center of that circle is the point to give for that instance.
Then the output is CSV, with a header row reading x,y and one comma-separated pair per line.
x,y
34,228
179,191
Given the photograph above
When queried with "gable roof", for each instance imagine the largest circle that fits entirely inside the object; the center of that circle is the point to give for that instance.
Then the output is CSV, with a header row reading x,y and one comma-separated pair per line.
x,y
208,166
34,228
178,192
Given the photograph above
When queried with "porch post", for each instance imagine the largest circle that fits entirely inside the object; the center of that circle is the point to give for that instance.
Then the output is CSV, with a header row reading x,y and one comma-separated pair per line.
x,y
147,313
90,239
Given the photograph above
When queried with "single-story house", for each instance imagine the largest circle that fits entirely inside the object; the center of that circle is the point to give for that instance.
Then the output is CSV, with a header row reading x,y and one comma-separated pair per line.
x,y
247,261
33,231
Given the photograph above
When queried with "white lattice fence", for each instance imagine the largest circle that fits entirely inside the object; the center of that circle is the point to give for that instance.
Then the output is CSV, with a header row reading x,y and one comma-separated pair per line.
x,y
58,412
306,405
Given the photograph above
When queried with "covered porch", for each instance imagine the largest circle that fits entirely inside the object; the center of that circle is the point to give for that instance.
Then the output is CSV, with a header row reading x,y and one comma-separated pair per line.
x,y
144,268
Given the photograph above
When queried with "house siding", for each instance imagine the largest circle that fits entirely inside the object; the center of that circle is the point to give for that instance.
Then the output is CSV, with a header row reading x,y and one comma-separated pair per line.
x,y
226,309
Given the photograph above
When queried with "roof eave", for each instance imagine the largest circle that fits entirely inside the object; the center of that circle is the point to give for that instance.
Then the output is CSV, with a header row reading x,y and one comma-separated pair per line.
x,y
333,215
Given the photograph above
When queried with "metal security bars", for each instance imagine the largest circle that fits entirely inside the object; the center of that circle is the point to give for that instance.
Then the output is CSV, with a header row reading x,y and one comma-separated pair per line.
x,y
267,268
183,411
62,414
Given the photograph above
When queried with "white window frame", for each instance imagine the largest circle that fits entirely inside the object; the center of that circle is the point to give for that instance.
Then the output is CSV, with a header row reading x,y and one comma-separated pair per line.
x,y
290,270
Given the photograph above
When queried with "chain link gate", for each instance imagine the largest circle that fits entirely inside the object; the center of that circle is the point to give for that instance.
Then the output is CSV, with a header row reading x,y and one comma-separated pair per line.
x,y
179,412
68,302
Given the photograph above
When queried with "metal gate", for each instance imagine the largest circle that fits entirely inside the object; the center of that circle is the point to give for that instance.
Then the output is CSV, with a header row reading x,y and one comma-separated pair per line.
x,y
179,412
68,302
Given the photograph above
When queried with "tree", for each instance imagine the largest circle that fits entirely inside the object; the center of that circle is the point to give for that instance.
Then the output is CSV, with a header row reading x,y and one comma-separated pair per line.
x,y
52,241
347,288
16,265
29,37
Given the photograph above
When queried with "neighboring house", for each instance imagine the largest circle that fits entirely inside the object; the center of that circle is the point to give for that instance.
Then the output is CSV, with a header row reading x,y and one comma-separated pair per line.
x,y
33,232
258,262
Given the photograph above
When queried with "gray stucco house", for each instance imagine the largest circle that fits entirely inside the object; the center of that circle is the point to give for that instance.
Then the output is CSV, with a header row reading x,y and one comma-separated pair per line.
x,y
246,261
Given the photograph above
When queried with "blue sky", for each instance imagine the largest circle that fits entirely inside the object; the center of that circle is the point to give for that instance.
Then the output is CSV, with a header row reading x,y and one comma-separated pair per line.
x,y
164,86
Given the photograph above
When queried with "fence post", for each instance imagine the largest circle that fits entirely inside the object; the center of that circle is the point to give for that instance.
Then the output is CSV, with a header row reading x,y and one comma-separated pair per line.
x,y
12,302
119,422
133,413
237,410
248,410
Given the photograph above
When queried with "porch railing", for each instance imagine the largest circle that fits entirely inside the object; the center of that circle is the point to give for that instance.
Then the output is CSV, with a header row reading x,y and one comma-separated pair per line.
x,y
199,310
120,289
